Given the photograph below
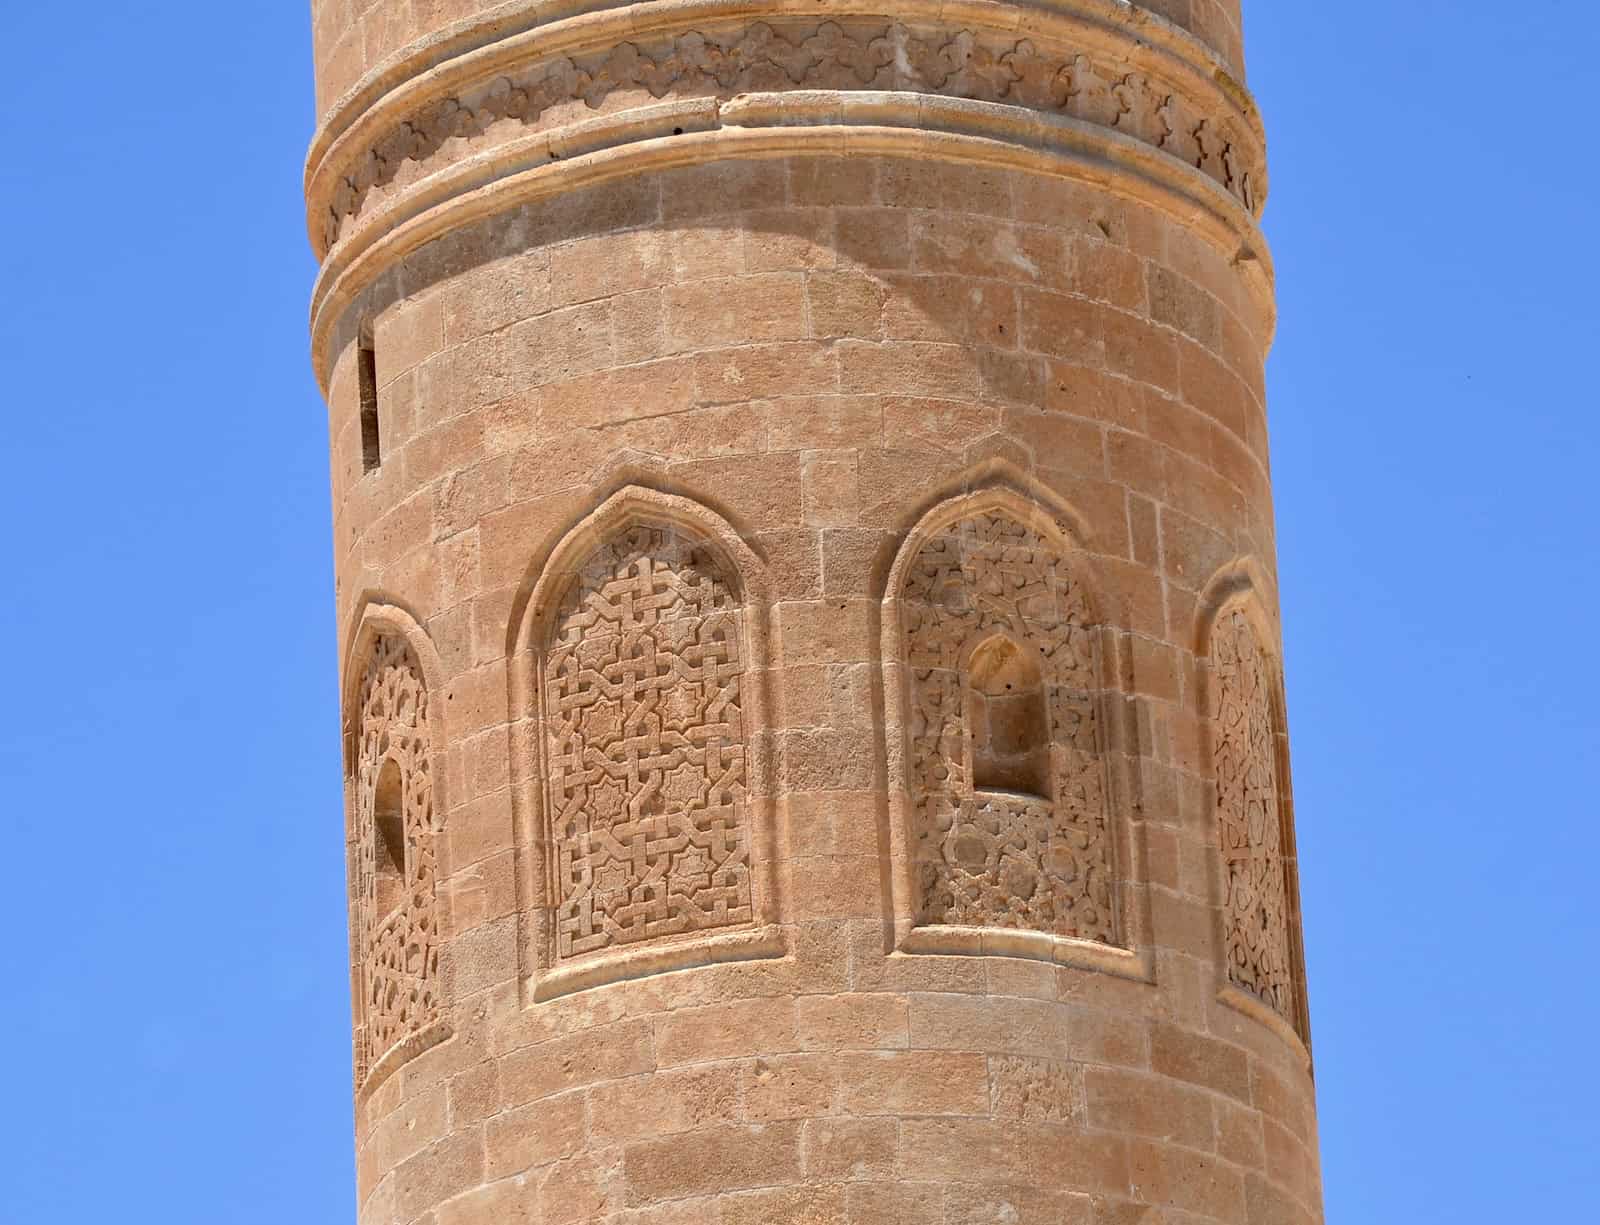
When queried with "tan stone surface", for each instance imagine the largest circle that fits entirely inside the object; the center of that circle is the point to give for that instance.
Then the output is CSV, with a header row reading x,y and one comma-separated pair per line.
x,y
814,727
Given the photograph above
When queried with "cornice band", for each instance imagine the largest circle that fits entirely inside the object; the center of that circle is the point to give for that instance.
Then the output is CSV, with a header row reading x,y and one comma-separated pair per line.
x,y
773,124
498,38
1050,61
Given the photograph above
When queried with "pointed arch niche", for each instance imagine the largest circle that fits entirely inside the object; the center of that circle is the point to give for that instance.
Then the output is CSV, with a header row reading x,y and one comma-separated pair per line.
x,y
393,803
1006,833
640,720
1263,962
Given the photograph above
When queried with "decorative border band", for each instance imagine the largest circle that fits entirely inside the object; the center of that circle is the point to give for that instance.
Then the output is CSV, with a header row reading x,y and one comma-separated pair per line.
x,y
497,39
867,54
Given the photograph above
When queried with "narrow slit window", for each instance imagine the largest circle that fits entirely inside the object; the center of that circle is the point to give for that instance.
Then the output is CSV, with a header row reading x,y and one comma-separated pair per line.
x,y
1006,720
389,837
371,443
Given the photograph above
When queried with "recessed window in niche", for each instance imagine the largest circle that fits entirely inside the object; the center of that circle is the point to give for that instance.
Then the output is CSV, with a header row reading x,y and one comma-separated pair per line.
x,y
1006,720
389,837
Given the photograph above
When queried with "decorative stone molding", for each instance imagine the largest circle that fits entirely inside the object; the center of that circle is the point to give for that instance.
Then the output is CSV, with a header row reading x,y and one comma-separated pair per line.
x,y
409,47
1199,128
640,730
500,37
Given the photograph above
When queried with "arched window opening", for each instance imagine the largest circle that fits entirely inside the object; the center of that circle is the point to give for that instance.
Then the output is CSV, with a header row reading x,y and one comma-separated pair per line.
x,y
1006,720
389,837
1010,824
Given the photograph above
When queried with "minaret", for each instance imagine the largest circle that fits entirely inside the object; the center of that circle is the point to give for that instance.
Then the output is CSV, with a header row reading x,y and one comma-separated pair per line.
x,y
812,703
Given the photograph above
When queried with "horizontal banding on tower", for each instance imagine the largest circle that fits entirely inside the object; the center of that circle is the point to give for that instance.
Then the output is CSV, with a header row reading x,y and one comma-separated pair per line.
x,y
493,125
364,54
1055,62
768,126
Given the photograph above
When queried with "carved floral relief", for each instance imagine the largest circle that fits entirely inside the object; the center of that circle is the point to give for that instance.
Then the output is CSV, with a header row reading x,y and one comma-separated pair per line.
x,y
1009,825
1256,919
397,928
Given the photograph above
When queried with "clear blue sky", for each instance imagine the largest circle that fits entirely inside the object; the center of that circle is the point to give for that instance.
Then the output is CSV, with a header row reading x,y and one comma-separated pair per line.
x,y
174,990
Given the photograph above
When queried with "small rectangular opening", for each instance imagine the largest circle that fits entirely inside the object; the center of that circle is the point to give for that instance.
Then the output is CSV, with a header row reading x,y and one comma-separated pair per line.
x,y
367,373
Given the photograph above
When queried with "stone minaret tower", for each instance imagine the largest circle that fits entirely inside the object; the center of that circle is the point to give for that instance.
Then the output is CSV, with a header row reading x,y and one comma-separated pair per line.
x,y
812,704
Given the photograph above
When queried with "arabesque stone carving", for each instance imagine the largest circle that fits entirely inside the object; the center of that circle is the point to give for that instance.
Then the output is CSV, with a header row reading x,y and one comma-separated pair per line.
x,y
995,858
1255,903
646,757
869,55
398,941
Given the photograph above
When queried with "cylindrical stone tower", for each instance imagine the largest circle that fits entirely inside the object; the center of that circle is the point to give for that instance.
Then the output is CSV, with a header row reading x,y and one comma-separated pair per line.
x,y
813,721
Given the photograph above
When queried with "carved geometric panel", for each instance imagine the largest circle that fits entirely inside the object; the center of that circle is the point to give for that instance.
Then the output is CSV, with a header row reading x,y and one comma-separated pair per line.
x,y
646,758
997,858
1255,904
398,924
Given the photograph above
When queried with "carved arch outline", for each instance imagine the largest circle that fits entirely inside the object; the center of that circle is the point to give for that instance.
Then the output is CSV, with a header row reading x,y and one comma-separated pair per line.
x,y
375,615
998,486
1241,586
631,507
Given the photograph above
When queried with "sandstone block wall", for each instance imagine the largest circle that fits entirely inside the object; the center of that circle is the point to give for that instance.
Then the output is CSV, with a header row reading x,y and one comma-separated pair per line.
x,y
815,740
